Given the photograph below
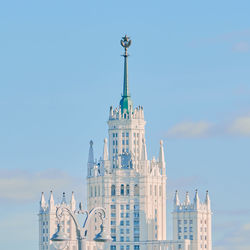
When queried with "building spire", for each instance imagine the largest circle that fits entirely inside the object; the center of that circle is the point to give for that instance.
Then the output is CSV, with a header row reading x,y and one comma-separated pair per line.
x,y
126,102
187,200
105,150
42,202
207,200
176,199
196,200
51,200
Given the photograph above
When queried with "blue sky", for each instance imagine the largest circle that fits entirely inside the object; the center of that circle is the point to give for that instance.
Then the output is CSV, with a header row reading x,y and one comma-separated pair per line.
x,y
61,69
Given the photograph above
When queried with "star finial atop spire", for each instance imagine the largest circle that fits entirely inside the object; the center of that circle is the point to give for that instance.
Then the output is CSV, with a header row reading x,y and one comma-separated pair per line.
x,y
125,42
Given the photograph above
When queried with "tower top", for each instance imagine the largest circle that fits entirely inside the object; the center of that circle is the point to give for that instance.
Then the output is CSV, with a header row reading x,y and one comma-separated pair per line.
x,y
125,43
126,102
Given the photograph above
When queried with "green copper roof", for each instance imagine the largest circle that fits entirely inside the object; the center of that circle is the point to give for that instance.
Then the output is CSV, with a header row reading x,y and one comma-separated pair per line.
x,y
126,102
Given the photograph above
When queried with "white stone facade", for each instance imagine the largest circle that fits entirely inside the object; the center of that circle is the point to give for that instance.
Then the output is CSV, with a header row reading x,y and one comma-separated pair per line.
x,y
193,221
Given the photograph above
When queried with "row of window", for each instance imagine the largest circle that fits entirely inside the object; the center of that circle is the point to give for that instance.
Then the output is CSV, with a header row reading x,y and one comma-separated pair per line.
x,y
124,190
191,221
127,206
127,215
186,237
185,229
185,221
125,134
136,247
122,238
122,231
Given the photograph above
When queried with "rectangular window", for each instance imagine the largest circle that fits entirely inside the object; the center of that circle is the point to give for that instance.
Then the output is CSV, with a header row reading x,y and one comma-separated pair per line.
x,y
122,207
190,229
191,237
126,142
112,222
113,230
112,206
127,207
127,215
112,247
113,238
121,231
122,238
179,237
113,215
179,229
123,134
179,222
136,239
136,215
127,231
122,215
113,134
121,247
185,237
185,221
122,223
191,222
127,247
136,222
185,229
136,207
127,134
127,223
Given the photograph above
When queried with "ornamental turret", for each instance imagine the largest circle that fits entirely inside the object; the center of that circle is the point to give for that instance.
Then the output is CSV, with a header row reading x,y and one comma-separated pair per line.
x,y
43,204
51,201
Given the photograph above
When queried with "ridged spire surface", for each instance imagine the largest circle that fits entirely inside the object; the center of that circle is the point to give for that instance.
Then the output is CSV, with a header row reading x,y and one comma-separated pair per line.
x,y
126,102
176,199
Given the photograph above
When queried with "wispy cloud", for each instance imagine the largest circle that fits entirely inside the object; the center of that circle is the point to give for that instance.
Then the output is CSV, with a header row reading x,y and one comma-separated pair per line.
x,y
238,239
190,130
21,186
242,47
240,126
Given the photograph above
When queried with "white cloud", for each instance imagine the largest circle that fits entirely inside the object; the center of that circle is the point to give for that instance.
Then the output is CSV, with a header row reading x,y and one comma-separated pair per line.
x,y
242,47
21,186
237,239
190,130
240,126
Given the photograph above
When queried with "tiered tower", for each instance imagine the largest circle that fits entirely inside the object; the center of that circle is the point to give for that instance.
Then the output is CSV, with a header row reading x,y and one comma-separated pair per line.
x,y
48,222
130,187
193,221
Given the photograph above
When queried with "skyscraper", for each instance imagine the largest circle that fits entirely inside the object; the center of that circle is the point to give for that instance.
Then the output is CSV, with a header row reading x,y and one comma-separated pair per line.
x,y
132,189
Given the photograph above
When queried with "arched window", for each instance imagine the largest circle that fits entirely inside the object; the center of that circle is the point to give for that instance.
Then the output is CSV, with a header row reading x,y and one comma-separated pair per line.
x,y
127,189
91,192
136,190
122,189
113,190
95,192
